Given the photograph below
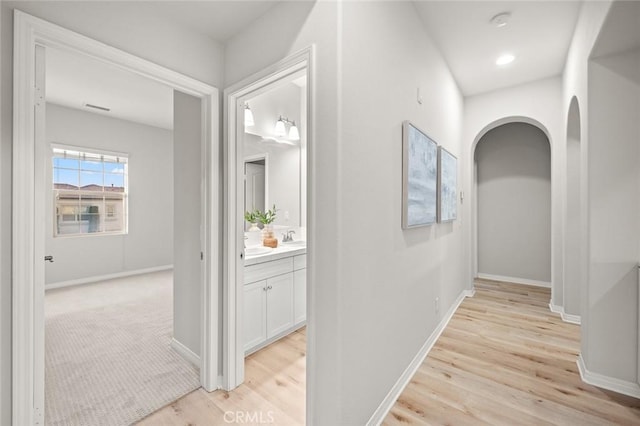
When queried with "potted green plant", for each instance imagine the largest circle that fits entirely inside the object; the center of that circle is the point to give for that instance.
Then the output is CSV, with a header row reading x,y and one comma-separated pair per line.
x,y
266,218
252,219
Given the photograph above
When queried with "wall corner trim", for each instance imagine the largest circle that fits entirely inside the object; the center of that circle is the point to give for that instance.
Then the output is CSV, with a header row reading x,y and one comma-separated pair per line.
x,y
570,318
606,382
99,278
402,382
185,352
514,280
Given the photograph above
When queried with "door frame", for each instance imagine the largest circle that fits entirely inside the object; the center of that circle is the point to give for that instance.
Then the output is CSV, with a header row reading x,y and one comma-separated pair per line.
x,y
27,335
258,157
234,97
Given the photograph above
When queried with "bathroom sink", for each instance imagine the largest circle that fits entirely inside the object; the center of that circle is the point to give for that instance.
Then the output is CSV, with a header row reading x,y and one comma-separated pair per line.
x,y
255,251
297,243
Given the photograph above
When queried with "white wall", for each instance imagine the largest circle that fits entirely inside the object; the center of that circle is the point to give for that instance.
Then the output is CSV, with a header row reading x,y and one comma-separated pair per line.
x,y
369,277
574,83
614,209
113,23
390,278
514,203
149,241
573,280
537,103
187,281
293,26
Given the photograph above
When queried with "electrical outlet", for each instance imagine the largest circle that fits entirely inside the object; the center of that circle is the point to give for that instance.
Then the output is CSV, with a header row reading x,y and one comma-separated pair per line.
x,y
437,305
286,215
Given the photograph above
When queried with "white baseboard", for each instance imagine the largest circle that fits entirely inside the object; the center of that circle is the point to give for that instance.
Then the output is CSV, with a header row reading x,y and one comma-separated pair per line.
x,y
611,383
391,398
570,318
106,277
185,352
514,280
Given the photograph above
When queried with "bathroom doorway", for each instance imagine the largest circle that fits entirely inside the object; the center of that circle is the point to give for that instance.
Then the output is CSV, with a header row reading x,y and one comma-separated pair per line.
x,y
268,115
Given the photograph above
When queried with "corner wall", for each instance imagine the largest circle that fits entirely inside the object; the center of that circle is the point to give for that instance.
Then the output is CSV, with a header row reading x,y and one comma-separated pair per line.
x,y
149,242
574,83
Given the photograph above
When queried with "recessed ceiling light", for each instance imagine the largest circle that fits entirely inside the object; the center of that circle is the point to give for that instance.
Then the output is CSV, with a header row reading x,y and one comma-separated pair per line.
x,y
501,19
505,59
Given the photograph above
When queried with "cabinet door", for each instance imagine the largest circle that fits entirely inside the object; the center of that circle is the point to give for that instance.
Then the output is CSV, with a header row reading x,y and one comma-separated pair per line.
x,y
299,296
279,304
255,314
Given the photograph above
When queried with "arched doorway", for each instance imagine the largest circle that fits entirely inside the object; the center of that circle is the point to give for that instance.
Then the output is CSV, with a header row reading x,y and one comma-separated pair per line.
x,y
512,162
572,278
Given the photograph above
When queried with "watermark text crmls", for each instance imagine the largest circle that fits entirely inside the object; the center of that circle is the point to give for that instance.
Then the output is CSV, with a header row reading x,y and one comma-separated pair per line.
x,y
253,417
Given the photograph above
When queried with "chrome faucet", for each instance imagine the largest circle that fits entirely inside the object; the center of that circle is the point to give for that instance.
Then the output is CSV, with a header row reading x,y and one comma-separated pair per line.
x,y
286,237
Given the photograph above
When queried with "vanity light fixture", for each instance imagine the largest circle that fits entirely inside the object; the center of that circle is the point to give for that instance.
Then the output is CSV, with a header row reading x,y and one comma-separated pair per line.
x,y
248,115
294,134
505,59
281,130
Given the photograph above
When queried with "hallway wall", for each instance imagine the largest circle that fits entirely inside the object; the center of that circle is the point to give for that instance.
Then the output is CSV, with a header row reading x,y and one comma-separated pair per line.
x,y
370,278
514,203
614,215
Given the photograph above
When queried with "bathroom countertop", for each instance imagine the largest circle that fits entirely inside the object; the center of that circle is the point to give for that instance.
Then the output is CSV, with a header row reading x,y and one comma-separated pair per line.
x,y
280,252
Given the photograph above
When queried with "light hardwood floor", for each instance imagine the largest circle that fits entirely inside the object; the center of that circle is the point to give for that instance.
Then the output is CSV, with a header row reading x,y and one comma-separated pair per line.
x,y
505,359
273,392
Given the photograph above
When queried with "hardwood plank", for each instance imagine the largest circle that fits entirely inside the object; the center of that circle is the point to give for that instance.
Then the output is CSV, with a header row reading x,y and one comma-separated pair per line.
x,y
505,359
273,392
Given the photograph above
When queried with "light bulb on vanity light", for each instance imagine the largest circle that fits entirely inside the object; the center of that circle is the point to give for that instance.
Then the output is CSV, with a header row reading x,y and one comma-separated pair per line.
x,y
248,116
280,130
294,134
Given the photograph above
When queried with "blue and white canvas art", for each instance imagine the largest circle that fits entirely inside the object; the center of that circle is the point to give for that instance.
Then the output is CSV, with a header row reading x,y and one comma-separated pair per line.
x,y
448,186
420,169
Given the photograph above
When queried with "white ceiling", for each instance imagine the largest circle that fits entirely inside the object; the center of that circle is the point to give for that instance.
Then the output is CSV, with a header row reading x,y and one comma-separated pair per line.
x,y
538,34
73,80
217,19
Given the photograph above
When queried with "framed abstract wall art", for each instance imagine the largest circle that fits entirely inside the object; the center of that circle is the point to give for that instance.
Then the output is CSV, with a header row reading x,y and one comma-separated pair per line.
x,y
420,177
447,186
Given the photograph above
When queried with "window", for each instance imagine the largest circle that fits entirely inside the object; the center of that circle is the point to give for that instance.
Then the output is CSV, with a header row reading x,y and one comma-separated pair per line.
x,y
89,191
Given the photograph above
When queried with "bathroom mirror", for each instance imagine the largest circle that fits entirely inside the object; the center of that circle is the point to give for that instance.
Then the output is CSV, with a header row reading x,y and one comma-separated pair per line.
x,y
275,165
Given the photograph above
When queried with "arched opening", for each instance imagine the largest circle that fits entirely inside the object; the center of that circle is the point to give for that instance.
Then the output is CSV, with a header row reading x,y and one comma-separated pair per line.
x,y
572,279
512,162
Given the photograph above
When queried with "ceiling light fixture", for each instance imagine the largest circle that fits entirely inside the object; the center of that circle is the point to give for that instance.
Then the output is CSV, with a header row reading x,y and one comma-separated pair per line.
x,y
501,20
248,115
280,129
505,59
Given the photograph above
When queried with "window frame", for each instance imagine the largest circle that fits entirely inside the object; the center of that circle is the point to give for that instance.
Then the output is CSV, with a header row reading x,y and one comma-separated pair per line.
x,y
78,151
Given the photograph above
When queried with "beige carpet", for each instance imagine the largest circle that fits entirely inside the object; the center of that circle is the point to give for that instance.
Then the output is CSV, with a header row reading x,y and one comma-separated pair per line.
x,y
108,358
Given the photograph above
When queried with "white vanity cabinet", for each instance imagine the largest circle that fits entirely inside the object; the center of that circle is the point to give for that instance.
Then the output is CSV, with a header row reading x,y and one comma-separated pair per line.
x,y
274,300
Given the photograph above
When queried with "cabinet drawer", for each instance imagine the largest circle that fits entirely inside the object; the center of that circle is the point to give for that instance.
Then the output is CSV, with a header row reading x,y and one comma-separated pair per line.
x,y
300,262
262,271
